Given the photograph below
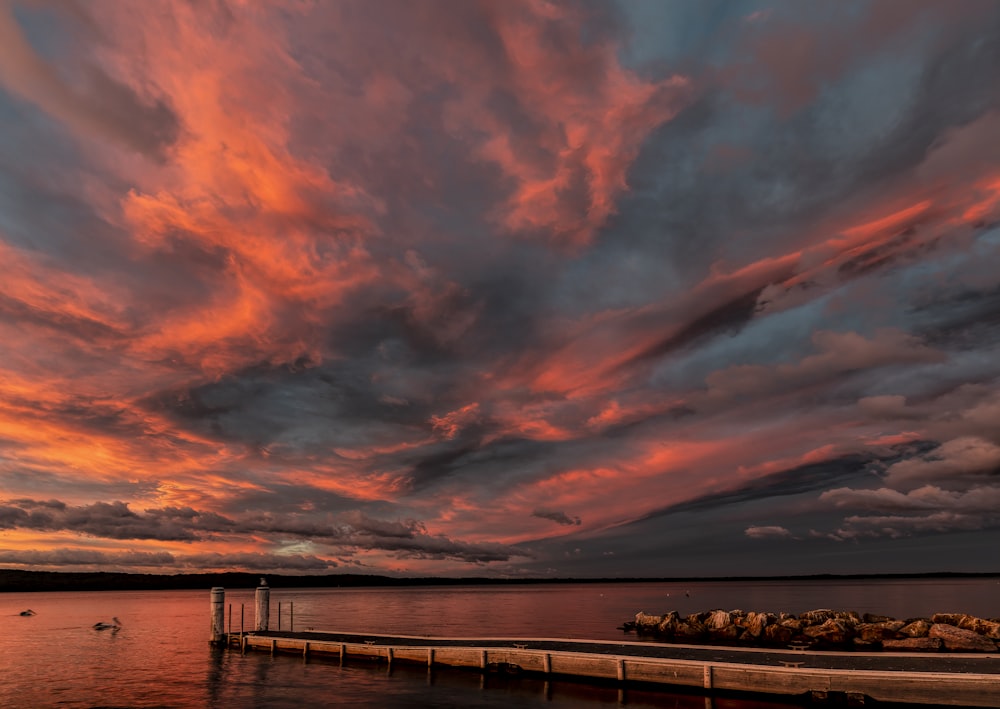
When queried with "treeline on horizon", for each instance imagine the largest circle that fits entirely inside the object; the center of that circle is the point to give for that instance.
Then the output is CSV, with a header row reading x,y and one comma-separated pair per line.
x,y
18,580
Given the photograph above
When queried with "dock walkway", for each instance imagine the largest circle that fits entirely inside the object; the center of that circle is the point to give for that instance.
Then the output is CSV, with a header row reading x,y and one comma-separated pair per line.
x,y
948,679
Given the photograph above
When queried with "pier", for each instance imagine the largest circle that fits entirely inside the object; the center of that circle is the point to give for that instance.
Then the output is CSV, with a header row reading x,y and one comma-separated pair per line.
x,y
934,679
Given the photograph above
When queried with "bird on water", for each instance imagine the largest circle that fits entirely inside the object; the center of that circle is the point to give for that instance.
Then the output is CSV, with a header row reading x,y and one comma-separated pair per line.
x,y
116,625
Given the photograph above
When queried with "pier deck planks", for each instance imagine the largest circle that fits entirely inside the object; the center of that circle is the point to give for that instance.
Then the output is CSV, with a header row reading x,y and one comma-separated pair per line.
x,y
970,680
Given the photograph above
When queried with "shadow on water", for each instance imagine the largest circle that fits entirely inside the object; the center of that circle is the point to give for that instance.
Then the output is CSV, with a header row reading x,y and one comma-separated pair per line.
x,y
284,681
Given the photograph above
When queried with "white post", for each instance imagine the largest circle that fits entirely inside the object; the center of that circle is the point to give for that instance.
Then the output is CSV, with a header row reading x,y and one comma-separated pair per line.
x,y
262,598
218,615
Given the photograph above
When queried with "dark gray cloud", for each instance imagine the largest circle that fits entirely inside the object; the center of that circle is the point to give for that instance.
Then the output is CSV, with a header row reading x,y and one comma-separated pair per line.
x,y
557,517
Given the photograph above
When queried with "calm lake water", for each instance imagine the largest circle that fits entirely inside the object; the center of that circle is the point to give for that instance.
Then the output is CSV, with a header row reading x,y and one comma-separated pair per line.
x,y
161,656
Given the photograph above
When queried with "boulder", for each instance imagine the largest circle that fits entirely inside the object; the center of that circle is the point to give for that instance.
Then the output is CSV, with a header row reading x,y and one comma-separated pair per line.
x,y
778,634
877,632
727,633
686,630
817,617
669,622
988,628
755,623
848,618
912,645
947,618
794,624
960,639
718,620
873,618
646,623
832,632
916,629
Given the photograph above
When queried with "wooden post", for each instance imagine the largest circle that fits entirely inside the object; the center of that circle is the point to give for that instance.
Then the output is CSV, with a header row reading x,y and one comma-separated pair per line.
x,y
621,669
279,616
263,606
229,627
707,677
241,620
291,616
218,615
430,657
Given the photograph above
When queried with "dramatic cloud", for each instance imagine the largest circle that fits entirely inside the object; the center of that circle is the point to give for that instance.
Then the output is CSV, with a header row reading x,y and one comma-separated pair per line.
x,y
557,517
503,288
764,532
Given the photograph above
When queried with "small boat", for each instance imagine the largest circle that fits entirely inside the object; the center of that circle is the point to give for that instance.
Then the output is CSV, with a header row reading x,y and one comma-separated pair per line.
x,y
28,612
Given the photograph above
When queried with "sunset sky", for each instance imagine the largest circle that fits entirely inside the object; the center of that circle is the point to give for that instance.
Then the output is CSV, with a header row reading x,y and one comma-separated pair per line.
x,y
512,288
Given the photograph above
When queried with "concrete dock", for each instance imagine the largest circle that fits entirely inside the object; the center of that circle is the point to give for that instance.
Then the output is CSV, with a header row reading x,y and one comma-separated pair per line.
x,y
935,679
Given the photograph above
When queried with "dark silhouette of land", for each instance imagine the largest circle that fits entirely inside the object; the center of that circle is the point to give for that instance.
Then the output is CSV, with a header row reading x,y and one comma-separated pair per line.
x,y
19,580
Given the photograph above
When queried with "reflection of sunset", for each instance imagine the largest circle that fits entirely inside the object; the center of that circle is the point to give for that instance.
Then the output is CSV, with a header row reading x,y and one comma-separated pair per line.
x,y
484,288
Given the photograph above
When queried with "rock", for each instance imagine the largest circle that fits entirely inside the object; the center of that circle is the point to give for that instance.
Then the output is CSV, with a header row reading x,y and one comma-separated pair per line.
x,y
755,623
793,624
685,630
916,629
988,628
913,644
960,639
718,620
948,618
669,622
727,633
645,622
873,618
817,617
848,618
877,632
832,632
864,645
778,634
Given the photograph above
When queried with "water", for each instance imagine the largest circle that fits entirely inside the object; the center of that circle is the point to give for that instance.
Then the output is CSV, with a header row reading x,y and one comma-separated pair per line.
x,y
161,657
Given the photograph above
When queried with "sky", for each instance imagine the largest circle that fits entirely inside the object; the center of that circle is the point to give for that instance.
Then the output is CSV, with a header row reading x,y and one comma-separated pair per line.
x,y
511,289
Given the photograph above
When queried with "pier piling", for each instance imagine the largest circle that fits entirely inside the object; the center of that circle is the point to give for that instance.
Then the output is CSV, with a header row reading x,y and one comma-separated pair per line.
x,y
262,600
218,630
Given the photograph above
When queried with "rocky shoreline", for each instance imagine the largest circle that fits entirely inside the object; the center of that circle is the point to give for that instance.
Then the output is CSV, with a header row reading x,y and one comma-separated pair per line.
x,y
823,629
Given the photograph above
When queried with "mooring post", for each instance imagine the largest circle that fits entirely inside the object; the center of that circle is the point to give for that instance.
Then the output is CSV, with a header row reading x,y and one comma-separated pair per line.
x,y
291,616
263,601
218,615
279,616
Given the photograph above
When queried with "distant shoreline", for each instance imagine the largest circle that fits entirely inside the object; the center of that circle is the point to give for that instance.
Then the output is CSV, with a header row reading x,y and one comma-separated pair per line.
x,y
21,581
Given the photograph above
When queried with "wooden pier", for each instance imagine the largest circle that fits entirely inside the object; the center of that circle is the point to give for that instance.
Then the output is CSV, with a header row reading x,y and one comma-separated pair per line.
x,y
933,679
774,672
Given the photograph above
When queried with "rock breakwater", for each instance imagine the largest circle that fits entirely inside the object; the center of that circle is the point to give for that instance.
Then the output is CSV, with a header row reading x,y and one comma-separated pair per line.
x,y
823,629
